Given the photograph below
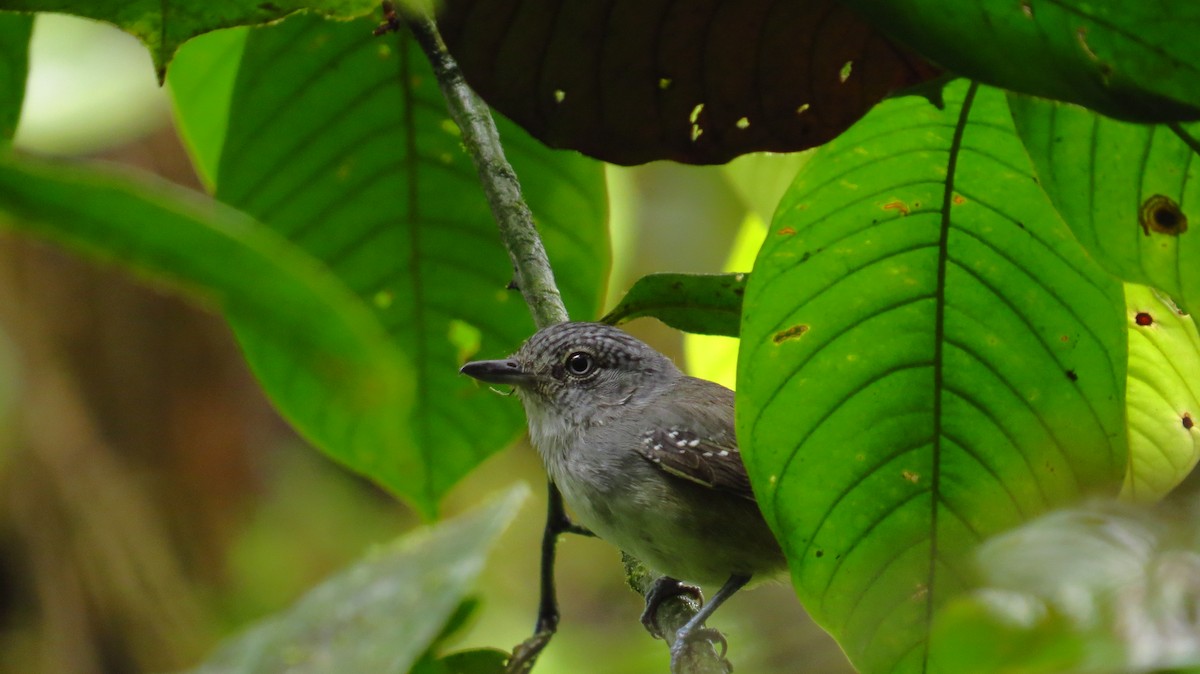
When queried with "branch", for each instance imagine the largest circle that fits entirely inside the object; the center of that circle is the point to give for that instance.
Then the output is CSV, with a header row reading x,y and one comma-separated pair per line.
x,y
672,614
535,279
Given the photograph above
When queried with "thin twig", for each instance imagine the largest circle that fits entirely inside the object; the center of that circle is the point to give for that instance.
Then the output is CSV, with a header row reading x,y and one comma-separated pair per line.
x,y
535,279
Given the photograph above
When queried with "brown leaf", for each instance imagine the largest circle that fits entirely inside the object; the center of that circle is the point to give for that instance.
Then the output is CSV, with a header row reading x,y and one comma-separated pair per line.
x,y
696,81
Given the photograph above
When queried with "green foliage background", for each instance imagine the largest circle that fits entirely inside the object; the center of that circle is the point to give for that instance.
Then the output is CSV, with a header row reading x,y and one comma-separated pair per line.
x,y
947,333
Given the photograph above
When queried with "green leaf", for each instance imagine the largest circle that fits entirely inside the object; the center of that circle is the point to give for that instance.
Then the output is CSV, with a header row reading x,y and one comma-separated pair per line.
x,y
1163,394
14,65
707,304
1126,190
476,661
281,298
201,82
1126,58
927,358
1102,589
164,25
349,153
380,614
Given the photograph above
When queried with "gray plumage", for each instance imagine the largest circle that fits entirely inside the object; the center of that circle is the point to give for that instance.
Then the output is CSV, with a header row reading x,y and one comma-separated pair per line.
x,y
645,456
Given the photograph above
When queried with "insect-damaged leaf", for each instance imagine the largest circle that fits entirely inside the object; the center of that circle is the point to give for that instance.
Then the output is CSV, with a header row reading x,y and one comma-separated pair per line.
x,y
1126,190
630,81
928,357
1163,394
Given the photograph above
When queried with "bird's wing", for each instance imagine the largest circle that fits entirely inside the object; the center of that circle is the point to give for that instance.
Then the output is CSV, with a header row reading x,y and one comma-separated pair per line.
x,y
696,442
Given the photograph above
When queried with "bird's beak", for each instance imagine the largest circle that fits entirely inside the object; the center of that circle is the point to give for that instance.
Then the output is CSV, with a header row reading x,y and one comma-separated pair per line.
x,y
497,371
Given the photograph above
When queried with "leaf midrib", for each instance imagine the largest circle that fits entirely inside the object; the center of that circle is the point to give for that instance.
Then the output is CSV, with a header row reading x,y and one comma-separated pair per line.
x,y
939,359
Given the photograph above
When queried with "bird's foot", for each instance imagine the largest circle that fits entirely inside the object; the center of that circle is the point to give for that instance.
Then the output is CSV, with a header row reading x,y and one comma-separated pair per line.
x,y
663,589
690,646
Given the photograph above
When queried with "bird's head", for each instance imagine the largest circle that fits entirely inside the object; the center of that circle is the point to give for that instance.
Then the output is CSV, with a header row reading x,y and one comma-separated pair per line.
x,y
578,370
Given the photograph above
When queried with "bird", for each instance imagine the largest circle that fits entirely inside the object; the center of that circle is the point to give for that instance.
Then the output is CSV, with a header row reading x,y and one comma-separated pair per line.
x,y
645,457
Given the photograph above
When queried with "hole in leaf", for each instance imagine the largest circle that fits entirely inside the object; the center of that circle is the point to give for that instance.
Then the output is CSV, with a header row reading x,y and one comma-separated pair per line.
x,y
790,333
844,73
694,118
1161,214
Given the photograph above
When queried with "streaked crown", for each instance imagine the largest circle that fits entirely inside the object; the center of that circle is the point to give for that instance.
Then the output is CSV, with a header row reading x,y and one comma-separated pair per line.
x,y
574,362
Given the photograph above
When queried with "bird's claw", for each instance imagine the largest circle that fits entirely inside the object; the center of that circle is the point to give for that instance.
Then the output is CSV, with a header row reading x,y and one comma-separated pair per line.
x,y
663,589
683,650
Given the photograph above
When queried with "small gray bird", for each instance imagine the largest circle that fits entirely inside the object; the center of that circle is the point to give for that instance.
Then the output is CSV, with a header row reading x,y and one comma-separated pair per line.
x,y
645,457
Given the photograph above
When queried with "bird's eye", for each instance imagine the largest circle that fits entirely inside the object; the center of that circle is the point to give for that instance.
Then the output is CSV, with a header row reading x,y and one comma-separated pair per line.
x,y
580,363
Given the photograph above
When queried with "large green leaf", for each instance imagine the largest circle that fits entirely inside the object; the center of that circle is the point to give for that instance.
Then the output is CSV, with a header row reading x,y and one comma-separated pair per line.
x,y
1125,189
1163,394
280,297
14,65
163,25
699,83
1127,58
382,613
341,142
927,358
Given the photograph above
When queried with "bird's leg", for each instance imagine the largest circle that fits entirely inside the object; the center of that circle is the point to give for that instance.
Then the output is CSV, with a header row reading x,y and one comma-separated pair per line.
x,y
695,630
526,653
557,520
664,588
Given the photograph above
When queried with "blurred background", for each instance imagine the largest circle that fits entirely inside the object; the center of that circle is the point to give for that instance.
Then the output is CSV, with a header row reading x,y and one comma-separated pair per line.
x,y
152,502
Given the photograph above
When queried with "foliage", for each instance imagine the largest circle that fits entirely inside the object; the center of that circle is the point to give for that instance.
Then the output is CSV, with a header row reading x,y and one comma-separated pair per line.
x,y
970,308
1097,588
705,304
366,175
14,36
952,281
1124,58
382,613
679,83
